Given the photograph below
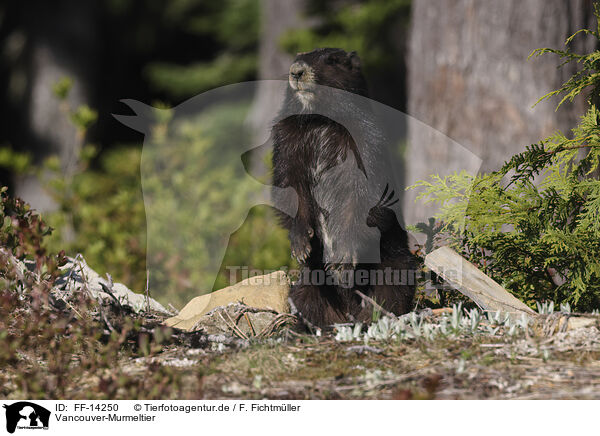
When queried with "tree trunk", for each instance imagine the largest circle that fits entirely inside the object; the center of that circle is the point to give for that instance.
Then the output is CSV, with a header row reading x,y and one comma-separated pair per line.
x,y
277,16
469,78
61,43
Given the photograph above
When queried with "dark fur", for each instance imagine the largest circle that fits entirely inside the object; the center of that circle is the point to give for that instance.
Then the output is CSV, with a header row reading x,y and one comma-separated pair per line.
x,y
336,176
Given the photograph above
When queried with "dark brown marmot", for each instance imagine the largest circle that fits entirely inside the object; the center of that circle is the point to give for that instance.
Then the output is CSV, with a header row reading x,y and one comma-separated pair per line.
x,y
346,235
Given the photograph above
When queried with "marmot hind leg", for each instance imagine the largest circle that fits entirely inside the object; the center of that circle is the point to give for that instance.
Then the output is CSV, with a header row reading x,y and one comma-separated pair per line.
x,y
395,296
396,299
320,305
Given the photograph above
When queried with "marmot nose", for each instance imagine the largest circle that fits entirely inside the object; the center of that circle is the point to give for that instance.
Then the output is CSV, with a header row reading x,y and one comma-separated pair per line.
x,y
297,70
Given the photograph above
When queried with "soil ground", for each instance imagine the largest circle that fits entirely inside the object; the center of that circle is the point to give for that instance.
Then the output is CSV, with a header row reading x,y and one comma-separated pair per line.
x,y
565,365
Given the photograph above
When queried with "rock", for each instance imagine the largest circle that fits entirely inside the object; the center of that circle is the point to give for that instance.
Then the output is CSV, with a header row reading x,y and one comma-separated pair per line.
x,y
78,276
269,291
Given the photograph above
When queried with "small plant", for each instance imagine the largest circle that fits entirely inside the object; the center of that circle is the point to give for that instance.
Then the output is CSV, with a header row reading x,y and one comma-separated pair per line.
x,y
545,308
382,330
414,326
347,334
475,317
497,318
565,308
456,318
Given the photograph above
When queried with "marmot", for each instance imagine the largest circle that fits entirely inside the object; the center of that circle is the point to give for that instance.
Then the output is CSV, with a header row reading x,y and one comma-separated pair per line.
x,y
328,147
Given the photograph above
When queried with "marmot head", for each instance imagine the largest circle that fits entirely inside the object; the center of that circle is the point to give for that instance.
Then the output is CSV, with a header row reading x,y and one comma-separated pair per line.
x,y
331,67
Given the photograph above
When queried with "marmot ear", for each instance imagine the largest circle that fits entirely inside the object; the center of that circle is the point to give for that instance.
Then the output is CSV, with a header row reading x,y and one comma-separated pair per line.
x,y
354,60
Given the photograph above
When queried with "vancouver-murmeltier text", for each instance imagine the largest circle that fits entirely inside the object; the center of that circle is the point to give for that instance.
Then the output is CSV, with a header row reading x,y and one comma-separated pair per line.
x,y
112,417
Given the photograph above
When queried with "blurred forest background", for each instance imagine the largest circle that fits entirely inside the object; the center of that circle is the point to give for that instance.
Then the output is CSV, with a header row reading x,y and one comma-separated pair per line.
x,y
458,65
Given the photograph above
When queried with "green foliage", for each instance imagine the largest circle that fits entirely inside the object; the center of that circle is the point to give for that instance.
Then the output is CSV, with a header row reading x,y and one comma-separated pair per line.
x,y
62,88
84,117
364,26
101,210
195,190
101,214
51,353
232,23
14,160
186,80
233,28
587,76
100,206
47,353
534,224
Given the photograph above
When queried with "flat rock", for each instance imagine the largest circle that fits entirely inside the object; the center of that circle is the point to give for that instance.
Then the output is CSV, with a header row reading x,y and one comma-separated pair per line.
x,y
269,291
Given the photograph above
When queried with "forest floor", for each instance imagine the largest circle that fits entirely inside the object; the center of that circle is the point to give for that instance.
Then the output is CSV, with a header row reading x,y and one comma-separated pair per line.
x,y
564,365
84,342
427,357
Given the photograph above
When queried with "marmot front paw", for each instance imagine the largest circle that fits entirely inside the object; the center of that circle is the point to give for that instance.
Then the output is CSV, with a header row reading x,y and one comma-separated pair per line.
x,y
300,243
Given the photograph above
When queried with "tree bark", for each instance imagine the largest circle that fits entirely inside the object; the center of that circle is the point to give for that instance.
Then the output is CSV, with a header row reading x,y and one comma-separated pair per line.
x,y
469,78
277,16
62,43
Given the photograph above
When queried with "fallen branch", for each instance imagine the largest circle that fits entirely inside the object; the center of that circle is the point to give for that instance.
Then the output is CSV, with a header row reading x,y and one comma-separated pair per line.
x,y
374,304
490,296
473,283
